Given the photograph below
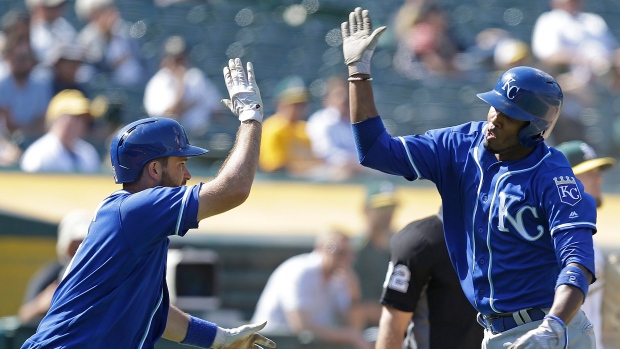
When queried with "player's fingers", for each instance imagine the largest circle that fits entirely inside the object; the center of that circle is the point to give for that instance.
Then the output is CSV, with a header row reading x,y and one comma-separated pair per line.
x,y
366,22
228,79
234,73
251,76
259,339
358,19
344,28
352,22
242,77
377,32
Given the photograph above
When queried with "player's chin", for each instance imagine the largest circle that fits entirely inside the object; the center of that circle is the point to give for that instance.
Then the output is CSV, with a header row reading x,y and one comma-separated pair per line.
x,y
490,148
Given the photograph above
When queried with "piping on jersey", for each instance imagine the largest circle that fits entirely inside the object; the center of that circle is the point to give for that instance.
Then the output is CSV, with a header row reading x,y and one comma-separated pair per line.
x,y
417,172
183,201
497,184
567,225
148,327
473,222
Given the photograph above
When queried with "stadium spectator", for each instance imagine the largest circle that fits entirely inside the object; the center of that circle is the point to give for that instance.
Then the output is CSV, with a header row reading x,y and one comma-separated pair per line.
x,y
71,231
374,253
62,148
315,293
427,47
285,145
567,39
588,168
48,27
108,45
329,130
422,297
23,96
181,91
64,62
16,26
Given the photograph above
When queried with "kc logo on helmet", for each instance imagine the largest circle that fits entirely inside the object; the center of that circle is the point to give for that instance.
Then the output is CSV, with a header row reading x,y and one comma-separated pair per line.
x,y
511,91
568,190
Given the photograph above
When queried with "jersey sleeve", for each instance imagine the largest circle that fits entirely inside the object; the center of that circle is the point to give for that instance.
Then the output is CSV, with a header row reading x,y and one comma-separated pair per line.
x,y
571,215
153,214
413,157
409,270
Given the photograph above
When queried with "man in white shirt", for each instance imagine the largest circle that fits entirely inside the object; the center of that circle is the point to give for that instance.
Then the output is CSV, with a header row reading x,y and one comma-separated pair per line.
x,y
329,130
47,26
316,293
62,149
566,38
181,91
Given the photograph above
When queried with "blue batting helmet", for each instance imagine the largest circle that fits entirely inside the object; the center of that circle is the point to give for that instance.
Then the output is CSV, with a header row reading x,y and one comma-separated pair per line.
x,y
528,94
144,140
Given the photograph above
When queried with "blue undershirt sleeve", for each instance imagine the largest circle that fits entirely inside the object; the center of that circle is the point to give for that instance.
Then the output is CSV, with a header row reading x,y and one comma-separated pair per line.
x,y
366,133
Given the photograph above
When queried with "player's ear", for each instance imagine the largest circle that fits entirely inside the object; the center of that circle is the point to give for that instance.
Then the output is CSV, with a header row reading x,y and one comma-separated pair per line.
x,y
154,170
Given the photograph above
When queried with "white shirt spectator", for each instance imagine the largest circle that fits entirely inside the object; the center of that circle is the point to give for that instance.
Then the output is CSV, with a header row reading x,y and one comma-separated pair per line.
x,y
47,154
584,36
46,36
331,137
298,283
199,94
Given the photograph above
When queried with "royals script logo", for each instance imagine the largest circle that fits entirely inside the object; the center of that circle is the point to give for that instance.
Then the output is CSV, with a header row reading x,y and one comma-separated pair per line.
x,y
511,91
568,190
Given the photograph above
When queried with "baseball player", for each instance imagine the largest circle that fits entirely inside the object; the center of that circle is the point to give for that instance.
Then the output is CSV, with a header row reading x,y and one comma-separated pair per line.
x,y
114,294
518,225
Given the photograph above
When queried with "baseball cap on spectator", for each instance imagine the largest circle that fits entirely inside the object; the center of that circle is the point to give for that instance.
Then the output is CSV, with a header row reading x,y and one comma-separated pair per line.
x,y
290,90
46,3
381,194
583,158
510,52
68,102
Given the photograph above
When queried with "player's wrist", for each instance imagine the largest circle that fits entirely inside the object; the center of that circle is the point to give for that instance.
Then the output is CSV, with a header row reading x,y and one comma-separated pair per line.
x,y
200,333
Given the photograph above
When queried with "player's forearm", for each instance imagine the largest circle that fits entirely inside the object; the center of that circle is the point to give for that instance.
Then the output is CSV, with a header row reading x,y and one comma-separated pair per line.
x,y
176,325
232,185
361,100
568,299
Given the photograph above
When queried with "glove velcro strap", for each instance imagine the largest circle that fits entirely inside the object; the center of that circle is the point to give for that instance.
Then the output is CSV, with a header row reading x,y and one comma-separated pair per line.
x,y
200,333
558,320
574,276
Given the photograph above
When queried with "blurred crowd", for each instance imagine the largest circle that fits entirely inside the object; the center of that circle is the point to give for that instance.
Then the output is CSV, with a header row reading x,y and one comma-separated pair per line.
x,y
87,47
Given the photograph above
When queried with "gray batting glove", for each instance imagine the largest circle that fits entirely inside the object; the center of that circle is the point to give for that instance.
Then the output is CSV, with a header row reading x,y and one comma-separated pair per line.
x,y
244,337
550,334
245,100
359,41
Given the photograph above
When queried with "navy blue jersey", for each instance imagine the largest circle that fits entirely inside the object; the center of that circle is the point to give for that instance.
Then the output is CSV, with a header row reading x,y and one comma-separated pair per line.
x,y
114,293
510,226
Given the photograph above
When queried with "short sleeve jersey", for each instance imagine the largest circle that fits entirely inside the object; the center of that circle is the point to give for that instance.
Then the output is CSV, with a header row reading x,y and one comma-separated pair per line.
x,y
510,226
114,293
420,261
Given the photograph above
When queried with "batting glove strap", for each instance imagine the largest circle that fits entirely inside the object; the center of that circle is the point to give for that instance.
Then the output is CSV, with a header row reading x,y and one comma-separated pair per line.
x,y
574,276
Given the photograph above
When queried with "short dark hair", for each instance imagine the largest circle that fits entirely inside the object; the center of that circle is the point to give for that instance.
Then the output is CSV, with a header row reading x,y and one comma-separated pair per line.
x,y
162,161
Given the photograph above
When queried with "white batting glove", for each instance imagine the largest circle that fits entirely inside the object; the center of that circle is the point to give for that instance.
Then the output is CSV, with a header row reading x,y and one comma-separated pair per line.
x,y
359,41
244,337
245,100
550,334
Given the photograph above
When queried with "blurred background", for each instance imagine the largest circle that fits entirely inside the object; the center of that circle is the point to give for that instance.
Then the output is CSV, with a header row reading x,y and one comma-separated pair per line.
x,y
428,67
